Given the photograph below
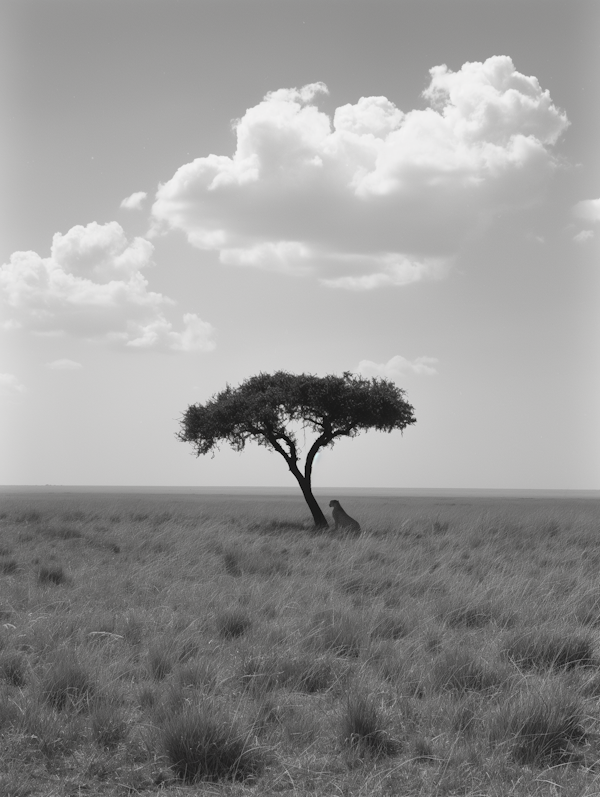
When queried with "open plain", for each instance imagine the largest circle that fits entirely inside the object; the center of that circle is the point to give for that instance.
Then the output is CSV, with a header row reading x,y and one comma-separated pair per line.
x,y
195,643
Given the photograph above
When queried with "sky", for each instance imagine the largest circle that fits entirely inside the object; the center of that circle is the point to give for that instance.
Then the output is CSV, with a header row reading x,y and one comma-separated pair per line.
x,y
197,191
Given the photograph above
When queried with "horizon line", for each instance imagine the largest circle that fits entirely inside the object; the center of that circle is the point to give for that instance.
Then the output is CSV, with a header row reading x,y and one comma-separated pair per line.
x,y
289,489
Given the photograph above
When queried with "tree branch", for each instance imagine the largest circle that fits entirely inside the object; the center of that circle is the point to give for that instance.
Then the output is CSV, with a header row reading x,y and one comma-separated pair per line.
x,y
291,456
292,445
321,441
314,422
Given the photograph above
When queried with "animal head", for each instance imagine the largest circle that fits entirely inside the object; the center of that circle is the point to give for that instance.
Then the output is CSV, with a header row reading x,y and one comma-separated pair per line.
x,y
334,503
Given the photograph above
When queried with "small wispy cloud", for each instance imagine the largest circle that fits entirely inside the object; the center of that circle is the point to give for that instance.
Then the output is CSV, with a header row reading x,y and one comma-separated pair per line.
x,y
583,236
588,209
393,272
64,365
135,201
10,385
538,239
398,367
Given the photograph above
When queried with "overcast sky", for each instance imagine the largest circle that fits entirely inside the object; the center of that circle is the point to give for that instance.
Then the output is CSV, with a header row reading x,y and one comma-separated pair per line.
x,y
195,191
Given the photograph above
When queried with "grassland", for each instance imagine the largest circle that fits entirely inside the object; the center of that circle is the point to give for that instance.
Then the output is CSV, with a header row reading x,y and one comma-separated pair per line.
x,y
217,645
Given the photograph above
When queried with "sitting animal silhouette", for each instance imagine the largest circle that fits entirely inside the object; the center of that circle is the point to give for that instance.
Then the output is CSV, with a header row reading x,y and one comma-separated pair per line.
x,y
342,519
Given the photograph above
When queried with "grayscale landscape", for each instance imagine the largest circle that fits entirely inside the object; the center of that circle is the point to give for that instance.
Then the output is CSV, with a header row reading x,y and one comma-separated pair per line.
x,y
299,398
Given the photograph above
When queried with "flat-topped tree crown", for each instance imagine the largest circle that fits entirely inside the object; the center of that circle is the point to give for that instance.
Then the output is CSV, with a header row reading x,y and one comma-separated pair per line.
x,y
265,408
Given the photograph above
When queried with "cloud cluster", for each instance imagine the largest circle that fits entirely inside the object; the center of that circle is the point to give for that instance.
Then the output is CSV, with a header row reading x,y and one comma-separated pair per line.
x,y
373,196
92,287
398,367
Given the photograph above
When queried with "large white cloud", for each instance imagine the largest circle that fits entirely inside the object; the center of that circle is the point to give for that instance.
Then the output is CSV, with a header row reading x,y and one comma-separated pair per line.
x,y
92,287
375,196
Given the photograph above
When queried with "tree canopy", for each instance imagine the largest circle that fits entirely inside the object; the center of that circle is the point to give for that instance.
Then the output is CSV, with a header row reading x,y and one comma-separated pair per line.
x,y
264,409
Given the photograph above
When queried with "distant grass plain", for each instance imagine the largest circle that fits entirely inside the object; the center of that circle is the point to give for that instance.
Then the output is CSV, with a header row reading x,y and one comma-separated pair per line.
x,y
185,642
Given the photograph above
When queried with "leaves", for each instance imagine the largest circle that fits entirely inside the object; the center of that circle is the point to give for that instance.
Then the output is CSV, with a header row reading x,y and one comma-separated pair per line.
x,y
262,408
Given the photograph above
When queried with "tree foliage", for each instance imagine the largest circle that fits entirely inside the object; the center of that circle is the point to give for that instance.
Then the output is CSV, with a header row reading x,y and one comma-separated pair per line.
x,y
265,408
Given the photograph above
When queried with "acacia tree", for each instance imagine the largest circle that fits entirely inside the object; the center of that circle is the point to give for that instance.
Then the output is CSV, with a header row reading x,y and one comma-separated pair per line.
x,y
265,408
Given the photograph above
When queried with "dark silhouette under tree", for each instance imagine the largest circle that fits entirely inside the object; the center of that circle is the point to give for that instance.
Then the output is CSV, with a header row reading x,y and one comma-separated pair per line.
x,y
264,408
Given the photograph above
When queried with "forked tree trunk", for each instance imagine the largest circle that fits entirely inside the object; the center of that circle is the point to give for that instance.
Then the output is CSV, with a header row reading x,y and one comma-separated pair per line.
x,y
303,479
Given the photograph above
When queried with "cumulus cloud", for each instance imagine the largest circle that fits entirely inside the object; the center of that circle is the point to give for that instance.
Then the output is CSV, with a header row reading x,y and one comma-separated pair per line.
x,y
135,201
197,335
398,367
64,365
583,236
92,287
10,385
373,196
588,209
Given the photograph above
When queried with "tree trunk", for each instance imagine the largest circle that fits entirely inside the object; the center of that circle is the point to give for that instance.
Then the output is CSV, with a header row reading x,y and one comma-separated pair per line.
x,y
303,479
318,516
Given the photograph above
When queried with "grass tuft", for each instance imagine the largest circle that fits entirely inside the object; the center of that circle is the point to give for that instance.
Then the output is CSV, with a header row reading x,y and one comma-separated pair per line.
x,y
544,650
363,728
61,533
8,566
147,698
233,623
197,674
306,674
588,610
10,712
309,674
467,614
201,745
132,630
542,726
459,670
338,632
160,660
28,516
232,563
389,626
66,684
52,574
12,668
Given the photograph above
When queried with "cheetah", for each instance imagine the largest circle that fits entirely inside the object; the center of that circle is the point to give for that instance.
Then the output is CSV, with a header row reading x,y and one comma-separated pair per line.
x,y
342,519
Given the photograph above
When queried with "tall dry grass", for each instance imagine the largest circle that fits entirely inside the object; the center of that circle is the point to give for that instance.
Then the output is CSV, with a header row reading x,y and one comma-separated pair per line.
x,y
156,642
